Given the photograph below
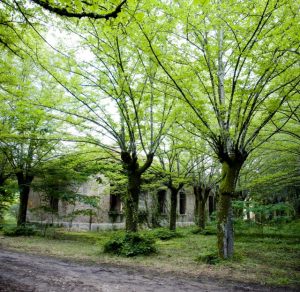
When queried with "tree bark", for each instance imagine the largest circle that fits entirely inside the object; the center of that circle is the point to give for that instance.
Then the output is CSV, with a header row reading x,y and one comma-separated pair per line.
x,y
132,201
201,196
173,209
134,173
202,217
230,173
198,198
24,182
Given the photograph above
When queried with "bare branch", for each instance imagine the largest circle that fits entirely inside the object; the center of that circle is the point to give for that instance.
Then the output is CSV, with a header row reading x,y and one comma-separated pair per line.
x,y
63,11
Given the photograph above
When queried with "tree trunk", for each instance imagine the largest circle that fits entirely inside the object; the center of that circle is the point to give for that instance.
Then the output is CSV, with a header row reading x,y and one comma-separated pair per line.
x,y
2,194
202,218
197,193
230,172
90,220
173,209
201,196
132,201
24,189
134,173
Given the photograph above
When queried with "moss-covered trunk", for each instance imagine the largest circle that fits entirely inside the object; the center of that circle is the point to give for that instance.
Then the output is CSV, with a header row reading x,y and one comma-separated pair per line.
x,y
132,201
173,208
201,196
24,183
134,173
202,215
197,192
230,172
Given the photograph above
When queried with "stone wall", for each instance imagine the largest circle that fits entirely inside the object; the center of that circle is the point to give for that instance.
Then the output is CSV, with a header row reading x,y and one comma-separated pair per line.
x,y
104,216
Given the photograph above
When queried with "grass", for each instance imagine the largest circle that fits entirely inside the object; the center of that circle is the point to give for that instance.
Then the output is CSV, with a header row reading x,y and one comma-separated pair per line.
x,y
269,256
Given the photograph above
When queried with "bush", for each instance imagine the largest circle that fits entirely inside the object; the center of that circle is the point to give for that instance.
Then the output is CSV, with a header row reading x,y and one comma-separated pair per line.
x,y
165,234
19,231
207,231
210,258
130,244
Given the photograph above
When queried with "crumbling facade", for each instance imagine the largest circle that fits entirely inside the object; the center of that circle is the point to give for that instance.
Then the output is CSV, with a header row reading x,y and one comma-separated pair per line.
x,y
107,210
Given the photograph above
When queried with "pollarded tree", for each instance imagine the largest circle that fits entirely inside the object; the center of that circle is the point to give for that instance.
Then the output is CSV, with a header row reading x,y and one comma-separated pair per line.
x,y
205,177
114,101
235,64
175,167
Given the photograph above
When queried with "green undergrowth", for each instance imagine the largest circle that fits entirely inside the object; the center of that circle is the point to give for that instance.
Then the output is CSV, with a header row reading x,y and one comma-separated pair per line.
x,y
268,257
15,231
130,244
163,233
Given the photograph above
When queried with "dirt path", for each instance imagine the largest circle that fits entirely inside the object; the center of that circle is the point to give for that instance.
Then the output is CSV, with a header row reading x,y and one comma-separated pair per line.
x,y
25,272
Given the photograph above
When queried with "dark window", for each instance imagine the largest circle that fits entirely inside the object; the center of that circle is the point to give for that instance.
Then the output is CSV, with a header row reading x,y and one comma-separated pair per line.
x,y
161,201
53,202
182,203
115,203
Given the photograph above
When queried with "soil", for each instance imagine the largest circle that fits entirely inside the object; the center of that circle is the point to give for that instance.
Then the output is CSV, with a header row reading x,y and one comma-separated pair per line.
x,y
27,272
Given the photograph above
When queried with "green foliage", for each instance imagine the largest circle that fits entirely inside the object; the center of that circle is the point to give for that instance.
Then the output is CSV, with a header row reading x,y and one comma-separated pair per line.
x,y
19,231
208,257
267,213
209,230
165,234
130,244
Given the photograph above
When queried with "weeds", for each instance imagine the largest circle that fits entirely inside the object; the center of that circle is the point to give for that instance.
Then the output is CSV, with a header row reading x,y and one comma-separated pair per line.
x,y
130,244
19,231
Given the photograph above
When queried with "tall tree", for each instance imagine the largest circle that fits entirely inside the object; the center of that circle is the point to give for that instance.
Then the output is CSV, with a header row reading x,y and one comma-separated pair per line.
x,y
235,64
205,177
24,130
175,166
121,107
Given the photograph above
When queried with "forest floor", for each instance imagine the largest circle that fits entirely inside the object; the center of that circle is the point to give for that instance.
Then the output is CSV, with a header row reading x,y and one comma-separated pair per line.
x,y
265,259
28,272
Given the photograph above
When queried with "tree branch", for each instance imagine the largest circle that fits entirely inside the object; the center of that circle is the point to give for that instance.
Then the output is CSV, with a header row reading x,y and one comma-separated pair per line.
x,y
64,12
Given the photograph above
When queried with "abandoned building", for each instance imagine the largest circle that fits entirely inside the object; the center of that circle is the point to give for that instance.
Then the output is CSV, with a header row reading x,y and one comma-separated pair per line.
x,y
99,209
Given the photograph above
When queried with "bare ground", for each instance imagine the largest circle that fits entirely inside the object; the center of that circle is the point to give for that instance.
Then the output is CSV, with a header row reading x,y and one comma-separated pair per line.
x,y
27,272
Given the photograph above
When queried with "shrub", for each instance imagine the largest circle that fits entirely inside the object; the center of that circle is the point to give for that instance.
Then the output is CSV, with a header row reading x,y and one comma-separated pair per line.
x,y
19,231
209,257
165,234
208,231
130,244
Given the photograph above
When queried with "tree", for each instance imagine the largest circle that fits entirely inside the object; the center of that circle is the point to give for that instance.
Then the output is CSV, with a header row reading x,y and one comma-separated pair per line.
x,y
121,108
23,131
175,167
235,66
205,178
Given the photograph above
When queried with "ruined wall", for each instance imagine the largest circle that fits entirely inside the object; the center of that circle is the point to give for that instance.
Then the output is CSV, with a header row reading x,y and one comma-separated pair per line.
x,y
39,204
105,217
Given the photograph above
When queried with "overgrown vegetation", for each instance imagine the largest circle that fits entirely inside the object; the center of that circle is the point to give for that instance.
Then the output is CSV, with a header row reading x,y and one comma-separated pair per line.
x,y
19,231
130,244
268,255
165,234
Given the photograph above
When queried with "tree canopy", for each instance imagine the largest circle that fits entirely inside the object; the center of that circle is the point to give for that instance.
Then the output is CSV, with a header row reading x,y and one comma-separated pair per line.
x,y
151,81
